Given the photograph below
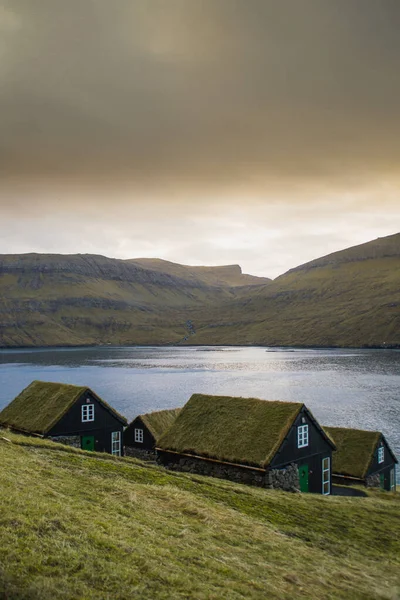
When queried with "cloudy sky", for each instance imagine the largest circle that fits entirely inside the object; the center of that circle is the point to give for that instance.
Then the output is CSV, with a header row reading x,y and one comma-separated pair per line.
x,y
256,132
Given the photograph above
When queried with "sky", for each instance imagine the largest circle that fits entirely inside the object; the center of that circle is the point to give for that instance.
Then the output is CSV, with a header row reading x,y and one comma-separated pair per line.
x,y
249,132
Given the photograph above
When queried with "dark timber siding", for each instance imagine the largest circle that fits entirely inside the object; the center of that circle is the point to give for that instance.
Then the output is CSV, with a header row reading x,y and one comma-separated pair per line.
x,y
385,467
318,448
101,428
129,436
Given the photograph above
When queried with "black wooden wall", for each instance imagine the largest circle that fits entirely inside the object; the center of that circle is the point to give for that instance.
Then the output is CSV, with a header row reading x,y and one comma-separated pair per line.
x,y
129,436
312,455
101,428
385,467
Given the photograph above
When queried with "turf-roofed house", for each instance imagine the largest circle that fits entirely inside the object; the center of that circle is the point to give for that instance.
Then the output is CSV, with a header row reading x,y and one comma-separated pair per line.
x,y
68,414
266,443
362,457
141,436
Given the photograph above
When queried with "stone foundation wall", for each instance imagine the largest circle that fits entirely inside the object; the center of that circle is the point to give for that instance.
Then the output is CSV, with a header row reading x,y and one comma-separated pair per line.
x,y
67,440
373,481
149,455
285,479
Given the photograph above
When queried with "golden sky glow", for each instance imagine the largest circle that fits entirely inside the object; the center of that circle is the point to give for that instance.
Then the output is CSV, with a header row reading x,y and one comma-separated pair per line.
x,y
204,131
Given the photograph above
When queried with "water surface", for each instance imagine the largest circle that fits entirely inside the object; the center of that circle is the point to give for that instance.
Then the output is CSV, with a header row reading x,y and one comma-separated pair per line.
x,y
346,388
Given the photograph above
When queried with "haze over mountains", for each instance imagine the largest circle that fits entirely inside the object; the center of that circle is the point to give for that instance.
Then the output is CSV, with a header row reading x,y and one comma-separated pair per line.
x,y
348,298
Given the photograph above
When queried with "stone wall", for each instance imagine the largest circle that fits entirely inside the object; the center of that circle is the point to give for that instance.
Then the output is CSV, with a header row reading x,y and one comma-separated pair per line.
x,y
149,455
68,440
286,479
373,480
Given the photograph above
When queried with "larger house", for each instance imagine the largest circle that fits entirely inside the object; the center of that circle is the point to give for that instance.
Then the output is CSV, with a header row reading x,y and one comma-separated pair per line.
x,y
66,413
264,443
362,457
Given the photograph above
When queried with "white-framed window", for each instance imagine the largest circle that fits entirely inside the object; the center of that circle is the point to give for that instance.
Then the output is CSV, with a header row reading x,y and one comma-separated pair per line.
x,y
381,454
139,435
116,443
393,479
87,412
302,436
326,476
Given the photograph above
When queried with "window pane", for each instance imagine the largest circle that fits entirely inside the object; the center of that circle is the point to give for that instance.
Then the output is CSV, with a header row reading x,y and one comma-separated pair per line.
x,y
116,443
302,436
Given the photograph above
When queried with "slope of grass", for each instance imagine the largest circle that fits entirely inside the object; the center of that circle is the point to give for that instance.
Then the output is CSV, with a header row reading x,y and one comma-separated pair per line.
x,y
349,304
349,298
227,275
80,525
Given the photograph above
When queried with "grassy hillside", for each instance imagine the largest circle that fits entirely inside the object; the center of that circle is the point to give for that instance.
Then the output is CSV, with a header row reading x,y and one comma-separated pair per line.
x,y
86,299
229,275
350,298
80,525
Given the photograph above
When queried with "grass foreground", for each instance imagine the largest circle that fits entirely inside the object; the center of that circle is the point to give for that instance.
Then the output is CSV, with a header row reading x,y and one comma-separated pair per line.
x,y
80,525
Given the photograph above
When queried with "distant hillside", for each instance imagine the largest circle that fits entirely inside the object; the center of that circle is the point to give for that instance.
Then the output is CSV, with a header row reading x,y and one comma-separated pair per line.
x,y
381,248
348,298
49,299
230,275
78,524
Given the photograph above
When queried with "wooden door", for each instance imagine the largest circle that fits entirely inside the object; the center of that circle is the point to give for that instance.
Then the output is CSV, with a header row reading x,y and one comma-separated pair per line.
x,y
87,442
303,478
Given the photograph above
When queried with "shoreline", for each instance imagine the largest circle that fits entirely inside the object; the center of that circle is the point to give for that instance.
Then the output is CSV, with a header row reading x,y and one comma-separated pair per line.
x,y
273,347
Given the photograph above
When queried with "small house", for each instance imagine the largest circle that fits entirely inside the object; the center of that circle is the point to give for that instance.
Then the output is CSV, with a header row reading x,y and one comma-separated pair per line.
x,y
259,442
141,435
362,457
69,414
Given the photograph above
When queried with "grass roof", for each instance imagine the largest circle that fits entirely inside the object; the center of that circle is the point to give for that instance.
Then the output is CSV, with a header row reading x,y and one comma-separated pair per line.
x,y
238,430
354,450
42,404
158,422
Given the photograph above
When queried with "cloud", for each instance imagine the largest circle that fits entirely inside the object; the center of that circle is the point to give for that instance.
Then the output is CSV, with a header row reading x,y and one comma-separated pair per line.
x,y
200,96
265,239
256,132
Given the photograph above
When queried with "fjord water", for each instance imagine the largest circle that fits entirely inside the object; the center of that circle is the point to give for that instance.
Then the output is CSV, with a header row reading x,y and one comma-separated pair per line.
x,y
346,388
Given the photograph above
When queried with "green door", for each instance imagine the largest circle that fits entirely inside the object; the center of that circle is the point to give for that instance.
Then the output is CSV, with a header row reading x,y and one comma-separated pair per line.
x,y
87,442
303,478
382,480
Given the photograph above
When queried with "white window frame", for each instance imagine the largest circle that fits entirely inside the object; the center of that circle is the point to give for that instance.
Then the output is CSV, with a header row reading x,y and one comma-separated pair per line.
x,y
326,476
302,436
381,455
87,413
139,436
116,443
393,479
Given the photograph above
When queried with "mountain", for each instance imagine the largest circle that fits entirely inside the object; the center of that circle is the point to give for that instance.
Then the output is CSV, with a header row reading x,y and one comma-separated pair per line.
x,y
50,299
230,275
347,298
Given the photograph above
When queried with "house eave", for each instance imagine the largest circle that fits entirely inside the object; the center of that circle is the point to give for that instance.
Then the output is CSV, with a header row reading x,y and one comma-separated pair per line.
x,y
21,430
362,479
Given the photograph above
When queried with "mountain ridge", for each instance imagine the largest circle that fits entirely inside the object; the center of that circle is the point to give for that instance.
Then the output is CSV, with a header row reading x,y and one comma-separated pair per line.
x,y
347,298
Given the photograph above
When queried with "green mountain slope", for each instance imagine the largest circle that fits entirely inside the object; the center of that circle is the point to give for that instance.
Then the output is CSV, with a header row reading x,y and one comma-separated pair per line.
x,y
229,275
88,299
349,298
84,525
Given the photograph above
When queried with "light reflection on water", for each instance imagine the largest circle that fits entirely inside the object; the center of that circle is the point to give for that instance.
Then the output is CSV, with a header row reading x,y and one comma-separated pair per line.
x,y
353,388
